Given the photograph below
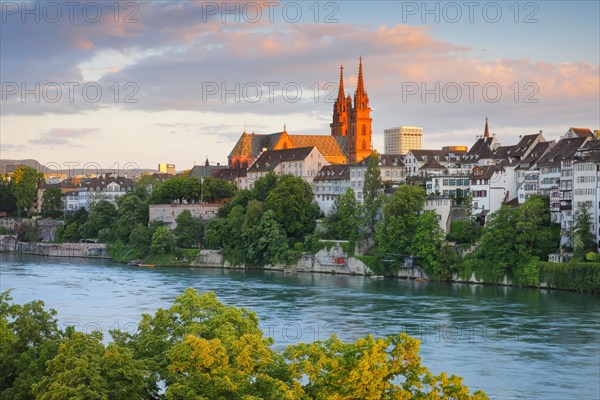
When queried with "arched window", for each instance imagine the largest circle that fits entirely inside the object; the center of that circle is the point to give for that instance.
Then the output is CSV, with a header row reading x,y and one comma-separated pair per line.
x,y
285,145
364,130
364,144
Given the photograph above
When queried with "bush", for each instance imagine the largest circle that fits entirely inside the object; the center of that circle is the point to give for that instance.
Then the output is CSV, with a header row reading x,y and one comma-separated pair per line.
x,y
577,276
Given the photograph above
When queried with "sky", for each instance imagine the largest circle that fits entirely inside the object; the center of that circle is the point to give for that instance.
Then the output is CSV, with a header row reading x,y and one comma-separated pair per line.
x,y
140,83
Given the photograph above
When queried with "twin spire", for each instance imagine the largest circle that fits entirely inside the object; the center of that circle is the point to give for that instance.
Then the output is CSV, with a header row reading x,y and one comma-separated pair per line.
x,y
360,93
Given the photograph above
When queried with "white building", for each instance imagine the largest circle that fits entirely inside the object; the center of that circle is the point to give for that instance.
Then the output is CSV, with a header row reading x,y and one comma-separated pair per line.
x,y
391,168
401,139
303,162
330,183
448,184
442,206
491,186
103,188
71,200
586,182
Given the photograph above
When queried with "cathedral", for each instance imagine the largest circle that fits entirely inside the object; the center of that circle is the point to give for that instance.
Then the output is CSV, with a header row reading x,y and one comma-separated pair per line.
x,y
348,142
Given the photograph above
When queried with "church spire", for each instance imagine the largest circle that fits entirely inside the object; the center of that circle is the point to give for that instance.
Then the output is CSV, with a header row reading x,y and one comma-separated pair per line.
x,y
341,95
360,89
361,99
486,132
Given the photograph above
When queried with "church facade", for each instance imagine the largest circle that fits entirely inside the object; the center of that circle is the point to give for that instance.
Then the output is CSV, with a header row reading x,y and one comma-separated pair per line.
x,y
349,141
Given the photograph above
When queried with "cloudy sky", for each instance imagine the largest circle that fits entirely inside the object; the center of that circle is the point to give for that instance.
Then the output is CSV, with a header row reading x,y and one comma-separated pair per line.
x,y
177,81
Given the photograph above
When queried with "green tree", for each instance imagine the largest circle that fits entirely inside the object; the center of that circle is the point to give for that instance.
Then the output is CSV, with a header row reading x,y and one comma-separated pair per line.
x,y
52,204
189,230
264,185
372,196
8,201
179,188
465,232
427,243
292,203
102,215
29,338
163,241
140,240
130,213
26,180
266,243
217,189
344,220
583,238
395,232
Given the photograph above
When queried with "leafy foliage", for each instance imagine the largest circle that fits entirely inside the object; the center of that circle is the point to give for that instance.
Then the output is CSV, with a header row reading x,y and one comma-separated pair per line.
x,y
26,180
102,215
52,205
189,230
372,197
199,348
344,220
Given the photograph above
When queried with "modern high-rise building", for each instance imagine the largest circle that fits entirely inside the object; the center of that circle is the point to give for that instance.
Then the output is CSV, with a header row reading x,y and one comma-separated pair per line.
x,y
166,168
401,139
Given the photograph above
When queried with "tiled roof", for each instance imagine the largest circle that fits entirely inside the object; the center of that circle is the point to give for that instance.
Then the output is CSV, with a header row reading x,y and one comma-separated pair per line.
x,y
581,132
251,145
535,154
564,149
270,159
327,145
502,152
339,172
488,171
432,163
481,149
524,144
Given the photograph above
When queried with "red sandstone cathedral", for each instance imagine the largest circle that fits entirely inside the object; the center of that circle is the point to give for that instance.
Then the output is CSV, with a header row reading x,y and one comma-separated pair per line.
x,y
349,141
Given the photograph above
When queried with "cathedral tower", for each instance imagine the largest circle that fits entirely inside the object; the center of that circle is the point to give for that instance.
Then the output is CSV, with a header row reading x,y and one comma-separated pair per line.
x,y
339,125
359,125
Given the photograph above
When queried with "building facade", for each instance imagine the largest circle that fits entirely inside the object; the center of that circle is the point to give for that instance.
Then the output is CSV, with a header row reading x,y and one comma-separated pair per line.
x,y
401,139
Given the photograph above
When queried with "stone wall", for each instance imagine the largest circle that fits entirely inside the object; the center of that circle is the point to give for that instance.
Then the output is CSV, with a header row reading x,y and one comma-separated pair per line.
x,y
325,261
46,229
168,213
12,223
9,243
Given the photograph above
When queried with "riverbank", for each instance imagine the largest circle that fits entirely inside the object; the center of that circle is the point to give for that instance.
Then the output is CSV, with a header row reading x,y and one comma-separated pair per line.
x,y
10,244
579,277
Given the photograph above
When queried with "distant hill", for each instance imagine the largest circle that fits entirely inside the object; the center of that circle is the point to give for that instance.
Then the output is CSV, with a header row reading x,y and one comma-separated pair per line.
x,y
8,166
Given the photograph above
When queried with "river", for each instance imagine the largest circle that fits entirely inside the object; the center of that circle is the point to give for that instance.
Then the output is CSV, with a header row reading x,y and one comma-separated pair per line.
x,y
512,343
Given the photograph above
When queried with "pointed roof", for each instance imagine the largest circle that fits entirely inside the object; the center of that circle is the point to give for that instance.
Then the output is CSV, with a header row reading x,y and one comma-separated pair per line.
x,y
334,172
270,159
565,149
486,132
341,96
360,88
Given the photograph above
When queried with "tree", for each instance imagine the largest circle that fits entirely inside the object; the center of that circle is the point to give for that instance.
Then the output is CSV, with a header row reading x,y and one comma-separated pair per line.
x,y
200,348
140,240
217,189
292,203
370,369
344,220
130,213
102,215
583,238
8,201
26,181
163,241
189,230
52,204
179,188
427,243
465,232
266,243
395,232
371,194
263,186
29,338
